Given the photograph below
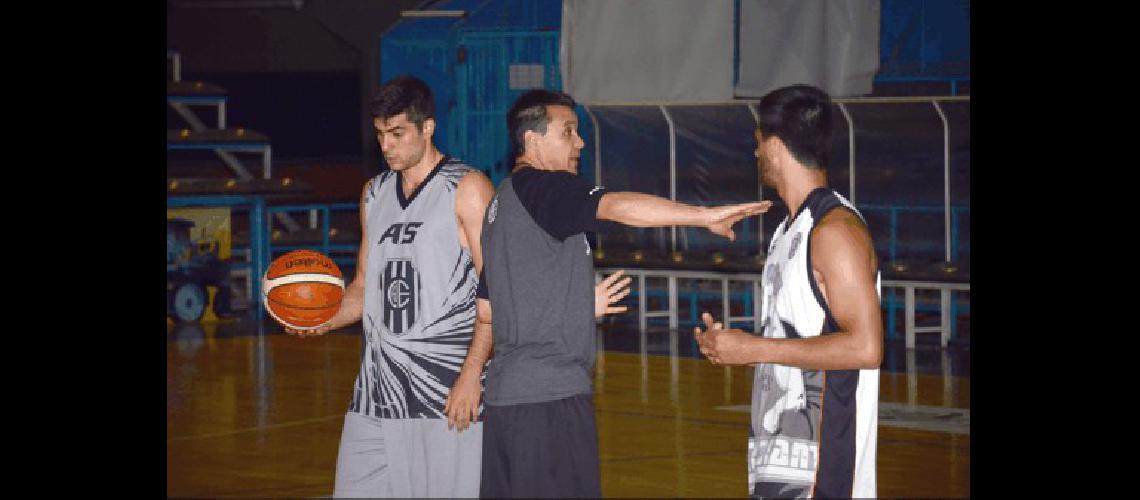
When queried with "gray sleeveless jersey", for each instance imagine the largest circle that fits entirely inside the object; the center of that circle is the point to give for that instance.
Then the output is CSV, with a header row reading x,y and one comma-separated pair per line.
x,y
419,297
542,298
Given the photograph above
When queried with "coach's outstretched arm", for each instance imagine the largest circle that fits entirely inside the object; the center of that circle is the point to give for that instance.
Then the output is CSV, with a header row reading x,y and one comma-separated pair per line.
x,y
352,305
844,267
646,210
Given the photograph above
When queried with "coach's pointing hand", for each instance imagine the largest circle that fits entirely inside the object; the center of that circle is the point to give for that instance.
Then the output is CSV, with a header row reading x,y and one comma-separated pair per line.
x,y
721,219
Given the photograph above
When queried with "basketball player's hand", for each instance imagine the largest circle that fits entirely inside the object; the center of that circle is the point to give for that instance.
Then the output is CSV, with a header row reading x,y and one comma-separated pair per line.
x,y
462,407
722,347
610,291
722,218
309,332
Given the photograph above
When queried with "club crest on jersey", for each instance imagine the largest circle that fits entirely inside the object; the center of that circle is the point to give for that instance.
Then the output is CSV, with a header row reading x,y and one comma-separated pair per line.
x,y
400,288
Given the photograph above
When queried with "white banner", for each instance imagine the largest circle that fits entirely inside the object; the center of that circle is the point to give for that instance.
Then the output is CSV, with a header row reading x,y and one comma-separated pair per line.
x,y
832,44
647,50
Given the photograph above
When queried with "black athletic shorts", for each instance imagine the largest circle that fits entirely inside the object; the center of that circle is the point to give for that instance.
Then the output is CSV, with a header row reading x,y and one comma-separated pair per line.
x,y
545,449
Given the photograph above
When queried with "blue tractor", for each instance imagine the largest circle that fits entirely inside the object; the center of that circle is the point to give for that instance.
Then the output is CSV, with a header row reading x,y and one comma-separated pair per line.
x,y
191,266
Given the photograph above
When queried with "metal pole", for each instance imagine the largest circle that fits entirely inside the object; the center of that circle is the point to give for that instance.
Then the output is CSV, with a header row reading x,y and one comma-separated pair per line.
x,y
265,160
945,172
257,255
673,321
597,158
759,190
672,167
758,302
724,301
850,149
597,147
837,100
641,306
324,228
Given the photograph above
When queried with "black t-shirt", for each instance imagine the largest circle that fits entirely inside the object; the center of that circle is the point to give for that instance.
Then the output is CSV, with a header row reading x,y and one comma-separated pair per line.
x,y
561,203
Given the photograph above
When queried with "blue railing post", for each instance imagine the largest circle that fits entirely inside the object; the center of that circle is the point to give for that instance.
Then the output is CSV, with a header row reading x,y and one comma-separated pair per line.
x,y
325,230
258,253
953,319
748,305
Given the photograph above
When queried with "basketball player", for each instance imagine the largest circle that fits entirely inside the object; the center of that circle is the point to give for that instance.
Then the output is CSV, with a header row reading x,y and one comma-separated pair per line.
x,y
816,387
411,428
539,434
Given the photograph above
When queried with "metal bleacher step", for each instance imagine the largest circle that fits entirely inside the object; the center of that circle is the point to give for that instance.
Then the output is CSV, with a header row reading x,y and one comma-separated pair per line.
x,y
921,270
693,260
180,95
304,237
224,143
217,186
213,139
194,89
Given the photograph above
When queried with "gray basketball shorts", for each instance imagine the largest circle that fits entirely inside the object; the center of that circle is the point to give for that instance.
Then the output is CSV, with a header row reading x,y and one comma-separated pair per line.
x,y
407,457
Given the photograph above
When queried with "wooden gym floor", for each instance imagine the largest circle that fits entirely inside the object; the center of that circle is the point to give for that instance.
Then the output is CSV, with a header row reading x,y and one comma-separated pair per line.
x,y
255,413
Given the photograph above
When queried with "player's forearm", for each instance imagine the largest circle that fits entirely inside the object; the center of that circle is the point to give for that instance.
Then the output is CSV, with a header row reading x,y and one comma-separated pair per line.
x,y
645,210
835,351
351,306
480,350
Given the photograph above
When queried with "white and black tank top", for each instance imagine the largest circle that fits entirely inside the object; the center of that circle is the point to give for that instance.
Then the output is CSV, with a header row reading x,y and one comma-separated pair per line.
x,y
419,297
813,431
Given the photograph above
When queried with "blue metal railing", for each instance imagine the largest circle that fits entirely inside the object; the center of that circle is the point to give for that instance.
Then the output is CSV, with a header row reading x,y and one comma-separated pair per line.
x,y
956,214
890,300
326,246
952,80
694,294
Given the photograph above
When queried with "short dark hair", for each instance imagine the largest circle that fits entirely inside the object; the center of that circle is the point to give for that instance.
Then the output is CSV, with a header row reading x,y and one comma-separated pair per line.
x,y
404,94
800,115
529,113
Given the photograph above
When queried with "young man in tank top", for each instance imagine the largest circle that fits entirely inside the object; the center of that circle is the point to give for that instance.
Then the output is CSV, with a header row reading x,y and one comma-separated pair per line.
x,y
816,386
410,430
539,435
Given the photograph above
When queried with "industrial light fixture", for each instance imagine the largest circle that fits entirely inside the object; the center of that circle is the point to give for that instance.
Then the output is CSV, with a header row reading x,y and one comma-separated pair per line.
x,y
433,13
239,4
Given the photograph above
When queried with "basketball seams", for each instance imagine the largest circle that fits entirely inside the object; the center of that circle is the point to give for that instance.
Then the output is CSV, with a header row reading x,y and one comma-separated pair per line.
x,y
286,295
284,289
291,279
290,263
303,308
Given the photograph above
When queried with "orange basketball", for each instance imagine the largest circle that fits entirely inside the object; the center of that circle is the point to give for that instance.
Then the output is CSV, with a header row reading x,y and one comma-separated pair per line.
x,y
302,289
